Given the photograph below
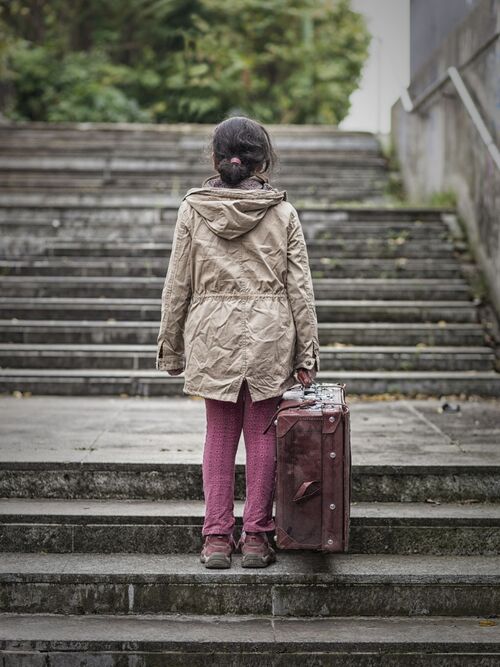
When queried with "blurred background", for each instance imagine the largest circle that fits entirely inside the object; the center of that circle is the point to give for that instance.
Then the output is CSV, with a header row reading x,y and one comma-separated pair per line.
x,y
385,118
181,60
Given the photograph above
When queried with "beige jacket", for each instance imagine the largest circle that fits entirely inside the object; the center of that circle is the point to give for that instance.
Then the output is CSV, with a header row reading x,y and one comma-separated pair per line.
x,y
238,298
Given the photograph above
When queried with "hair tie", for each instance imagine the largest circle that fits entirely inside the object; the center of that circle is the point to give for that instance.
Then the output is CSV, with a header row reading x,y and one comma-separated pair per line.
x,y
236,160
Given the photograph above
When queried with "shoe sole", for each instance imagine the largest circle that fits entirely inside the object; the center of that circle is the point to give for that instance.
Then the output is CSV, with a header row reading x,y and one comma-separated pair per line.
x,y
216,561
251,560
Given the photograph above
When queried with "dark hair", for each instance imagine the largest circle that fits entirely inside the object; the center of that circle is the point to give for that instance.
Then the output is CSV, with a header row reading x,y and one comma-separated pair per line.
x,y
239,136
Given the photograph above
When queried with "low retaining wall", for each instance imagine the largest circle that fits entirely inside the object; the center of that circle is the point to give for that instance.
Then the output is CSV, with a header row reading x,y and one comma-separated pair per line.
x,y
440,149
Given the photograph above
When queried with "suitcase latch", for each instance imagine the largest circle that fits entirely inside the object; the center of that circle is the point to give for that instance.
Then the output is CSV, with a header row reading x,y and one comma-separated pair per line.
x,y
330,421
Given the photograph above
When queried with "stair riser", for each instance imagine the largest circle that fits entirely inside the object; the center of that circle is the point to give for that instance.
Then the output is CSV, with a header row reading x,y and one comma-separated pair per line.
x,y
177,177
185,137
149,289
458,540
414,250
302,150
82,594
173,164
129,213
125,155
146,335
14,234
137,160
35,358
313,194
325,313
184,482
165,386
74,654
334,269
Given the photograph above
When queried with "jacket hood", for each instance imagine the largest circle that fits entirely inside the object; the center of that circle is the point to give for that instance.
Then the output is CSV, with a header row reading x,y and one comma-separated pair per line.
x,y
231,212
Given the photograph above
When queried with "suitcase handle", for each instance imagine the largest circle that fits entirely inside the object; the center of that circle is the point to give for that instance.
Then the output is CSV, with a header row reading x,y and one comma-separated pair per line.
x,y
302,404
313,388
304,488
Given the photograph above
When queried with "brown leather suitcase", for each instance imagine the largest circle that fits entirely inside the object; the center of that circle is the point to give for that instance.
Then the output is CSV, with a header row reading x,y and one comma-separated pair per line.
x,y
313,481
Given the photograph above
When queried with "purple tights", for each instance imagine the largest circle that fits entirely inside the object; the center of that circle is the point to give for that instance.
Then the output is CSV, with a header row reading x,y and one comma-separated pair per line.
x,y
224,423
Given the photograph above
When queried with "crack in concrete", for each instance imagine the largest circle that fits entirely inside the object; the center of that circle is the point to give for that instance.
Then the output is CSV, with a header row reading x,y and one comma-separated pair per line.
x,y
411,408
112,421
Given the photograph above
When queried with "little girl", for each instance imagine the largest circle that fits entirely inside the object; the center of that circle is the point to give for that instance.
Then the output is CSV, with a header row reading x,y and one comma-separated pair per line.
x,y
238,317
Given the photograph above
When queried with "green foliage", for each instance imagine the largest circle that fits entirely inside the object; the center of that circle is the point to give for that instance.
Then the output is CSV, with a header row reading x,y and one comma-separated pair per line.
x,y
447,198
281,61
77,87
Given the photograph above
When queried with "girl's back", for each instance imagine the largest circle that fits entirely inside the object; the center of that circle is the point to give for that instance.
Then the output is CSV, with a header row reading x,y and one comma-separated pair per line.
x,y
238,300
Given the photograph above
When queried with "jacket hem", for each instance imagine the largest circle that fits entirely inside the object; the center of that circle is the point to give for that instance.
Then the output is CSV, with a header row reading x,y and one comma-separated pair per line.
x,y
233,397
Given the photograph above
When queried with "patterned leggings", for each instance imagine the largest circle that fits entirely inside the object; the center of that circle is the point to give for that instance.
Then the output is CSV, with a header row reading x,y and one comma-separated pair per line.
x,y
224,423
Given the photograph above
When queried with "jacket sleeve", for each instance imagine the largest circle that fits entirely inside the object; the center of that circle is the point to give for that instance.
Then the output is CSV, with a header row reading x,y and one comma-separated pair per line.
x,y
176,295
301,297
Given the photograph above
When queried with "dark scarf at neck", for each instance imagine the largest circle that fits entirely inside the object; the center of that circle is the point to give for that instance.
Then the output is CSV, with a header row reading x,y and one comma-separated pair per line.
x,y
249,183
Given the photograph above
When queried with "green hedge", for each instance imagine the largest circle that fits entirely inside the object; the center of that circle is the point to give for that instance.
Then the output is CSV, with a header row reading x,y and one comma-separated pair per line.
x,y
281,61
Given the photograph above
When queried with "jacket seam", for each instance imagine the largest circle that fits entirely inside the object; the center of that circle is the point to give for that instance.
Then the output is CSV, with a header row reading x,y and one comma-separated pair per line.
x,y
240,295
245,312
311,312
181,233
175,258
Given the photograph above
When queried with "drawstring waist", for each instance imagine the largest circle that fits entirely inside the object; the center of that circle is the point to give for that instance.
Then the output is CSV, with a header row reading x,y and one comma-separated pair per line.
x,y
239,295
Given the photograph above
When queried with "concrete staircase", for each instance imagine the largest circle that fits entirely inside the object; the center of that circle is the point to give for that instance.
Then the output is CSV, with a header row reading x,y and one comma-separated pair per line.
x,y
93,159
86,222
100,534
101,496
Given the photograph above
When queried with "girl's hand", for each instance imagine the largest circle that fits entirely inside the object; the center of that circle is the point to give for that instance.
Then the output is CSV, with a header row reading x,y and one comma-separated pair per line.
x,y
176,371
305,376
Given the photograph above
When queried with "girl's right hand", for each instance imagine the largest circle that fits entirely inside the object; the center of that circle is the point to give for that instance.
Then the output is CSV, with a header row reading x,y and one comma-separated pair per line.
x,y
305,377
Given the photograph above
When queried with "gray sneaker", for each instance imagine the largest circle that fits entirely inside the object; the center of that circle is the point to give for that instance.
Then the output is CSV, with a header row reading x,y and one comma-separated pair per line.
x,y
217,550
256,550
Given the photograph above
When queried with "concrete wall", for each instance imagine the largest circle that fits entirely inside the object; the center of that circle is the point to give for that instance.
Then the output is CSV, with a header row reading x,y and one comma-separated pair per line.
x,y
438,146
431,21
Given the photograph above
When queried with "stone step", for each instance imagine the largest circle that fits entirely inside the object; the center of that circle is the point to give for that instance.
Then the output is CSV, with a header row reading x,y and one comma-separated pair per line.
x,y
453,289
107,477
148,209
96,189
328,310
297,152
348,358
182,138
185,135
349,333
355,191
30,236
110,526
175,174
182,133
66,207
297,585
175,162
56,640
320,267
359,248
128,215
88,382
135,448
